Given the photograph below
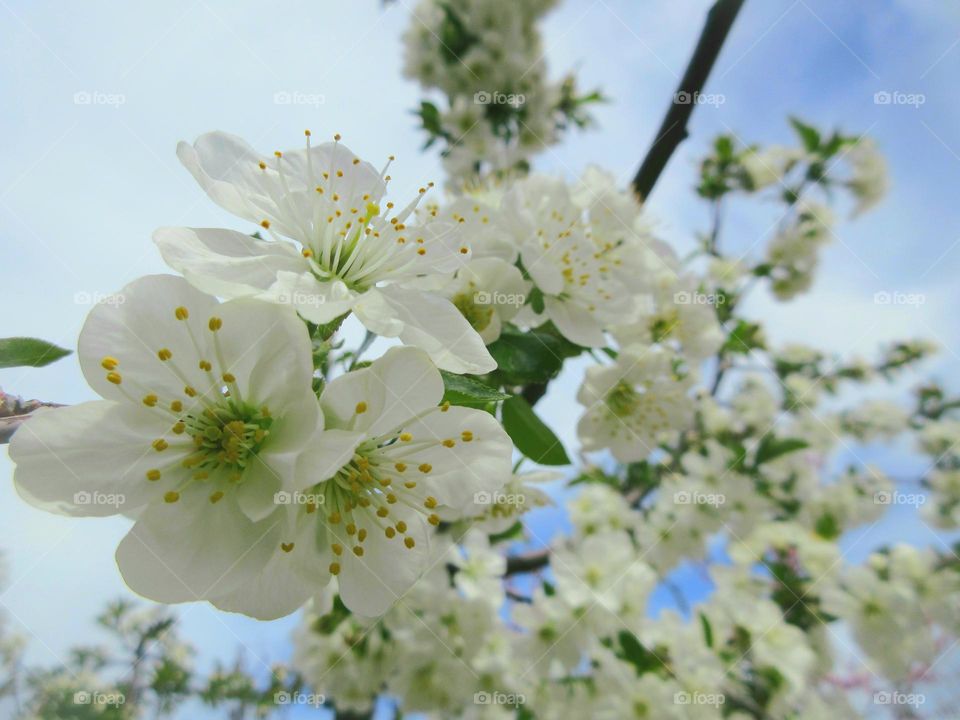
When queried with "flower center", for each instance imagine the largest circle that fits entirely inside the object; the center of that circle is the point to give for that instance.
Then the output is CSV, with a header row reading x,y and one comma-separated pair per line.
x,y
623,399
226,437
479,316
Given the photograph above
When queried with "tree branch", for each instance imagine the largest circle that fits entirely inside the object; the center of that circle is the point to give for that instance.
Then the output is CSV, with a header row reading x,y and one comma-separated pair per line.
x,y
673,131
14,412
529,562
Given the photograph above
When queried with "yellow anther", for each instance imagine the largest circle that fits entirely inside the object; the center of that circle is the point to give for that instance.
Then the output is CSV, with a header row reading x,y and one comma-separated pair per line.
x,y
109,363
445,406
205,365
334,518
361,407
307,133
178,428
351,529
337,137
390,532
262,164
334,568
150,400
216,497
400,467
215,324
229,378
164,354
466,436
176,406
160,445
114,377
181,313
406,437
425,468
421,251
337,549
189,391
430,503
307,252
449,443
410,484
153,475
464,250
391,498
286,547
278,154
409,542
434,520
362,535
401,526
265,224
171,497
358,550
382,512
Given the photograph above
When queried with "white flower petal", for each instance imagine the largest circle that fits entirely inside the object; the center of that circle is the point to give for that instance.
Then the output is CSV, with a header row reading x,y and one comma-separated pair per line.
x,y
398,386
575,323
224,262
370,585
74,460
330,450
319,302
194,549
429,322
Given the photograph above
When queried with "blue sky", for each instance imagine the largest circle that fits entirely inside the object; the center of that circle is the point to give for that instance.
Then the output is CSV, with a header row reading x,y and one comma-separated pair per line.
x,y
83,185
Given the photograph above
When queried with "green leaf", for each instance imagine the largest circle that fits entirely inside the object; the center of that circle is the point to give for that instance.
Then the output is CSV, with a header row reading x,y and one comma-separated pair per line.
x,y
809,135
530,435
745,337
28,352
707,630
530,357
771,448
633,651
468,391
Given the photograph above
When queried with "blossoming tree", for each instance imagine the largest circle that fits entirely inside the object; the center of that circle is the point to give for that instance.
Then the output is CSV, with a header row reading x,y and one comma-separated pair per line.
x,y
267,467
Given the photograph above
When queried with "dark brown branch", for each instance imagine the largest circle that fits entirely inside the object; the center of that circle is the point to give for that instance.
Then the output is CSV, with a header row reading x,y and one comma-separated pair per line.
x,y
673,131
529,562
14,412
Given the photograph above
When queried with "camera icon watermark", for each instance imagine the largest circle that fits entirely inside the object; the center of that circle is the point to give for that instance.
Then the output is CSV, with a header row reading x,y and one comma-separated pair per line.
x,y
494,97
299,698
686,497
298,498
899,498
699,698
98,97
498,498
296,97
87,697
698,298
483,297
498,698
885,297
699,98
886,697
85,297
97,497
895,97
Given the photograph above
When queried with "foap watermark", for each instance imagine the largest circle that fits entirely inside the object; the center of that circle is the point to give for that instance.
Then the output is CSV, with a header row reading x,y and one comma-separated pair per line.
x,y
499,298
99,498
899,498
99,97
885,297
85,297
499,698
298,498
887,697
299,698
896,97
495,97
93,697
698,298
699,698
686,497
300,298
699,98
296,97
498,498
